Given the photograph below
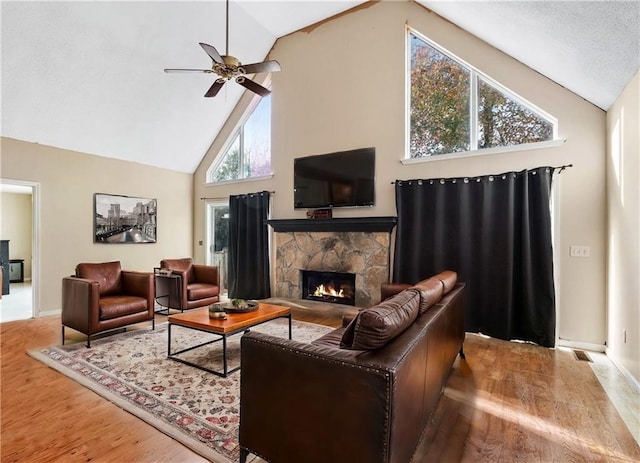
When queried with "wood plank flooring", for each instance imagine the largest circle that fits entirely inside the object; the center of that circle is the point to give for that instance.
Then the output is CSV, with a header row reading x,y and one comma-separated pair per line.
x,y
507,402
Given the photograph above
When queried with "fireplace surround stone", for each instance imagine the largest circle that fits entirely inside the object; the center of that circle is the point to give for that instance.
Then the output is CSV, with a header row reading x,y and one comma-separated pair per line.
x,y
366,254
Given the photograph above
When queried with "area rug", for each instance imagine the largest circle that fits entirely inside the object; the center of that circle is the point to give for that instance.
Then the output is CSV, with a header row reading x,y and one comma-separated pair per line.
x,y
198,409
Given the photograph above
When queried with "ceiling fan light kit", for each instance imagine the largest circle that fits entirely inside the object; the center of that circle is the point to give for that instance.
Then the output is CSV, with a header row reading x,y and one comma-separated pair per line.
x,y
228,67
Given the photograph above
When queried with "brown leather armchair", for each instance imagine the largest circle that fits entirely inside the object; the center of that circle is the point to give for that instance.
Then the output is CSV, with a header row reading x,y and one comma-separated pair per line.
x,y
188,285
102,297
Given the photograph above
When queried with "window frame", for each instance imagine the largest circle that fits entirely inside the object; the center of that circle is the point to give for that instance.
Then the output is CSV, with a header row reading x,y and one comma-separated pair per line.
x,y
238,132
474,75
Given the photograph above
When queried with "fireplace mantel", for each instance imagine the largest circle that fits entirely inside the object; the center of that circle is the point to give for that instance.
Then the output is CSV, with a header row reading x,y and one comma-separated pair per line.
x,y
350,224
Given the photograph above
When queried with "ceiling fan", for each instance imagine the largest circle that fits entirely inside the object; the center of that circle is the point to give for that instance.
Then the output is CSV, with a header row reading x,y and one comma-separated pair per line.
x,y
228,67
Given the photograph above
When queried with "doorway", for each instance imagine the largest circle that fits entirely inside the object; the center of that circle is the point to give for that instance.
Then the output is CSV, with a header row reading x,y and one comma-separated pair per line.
x,y
20,225
218,239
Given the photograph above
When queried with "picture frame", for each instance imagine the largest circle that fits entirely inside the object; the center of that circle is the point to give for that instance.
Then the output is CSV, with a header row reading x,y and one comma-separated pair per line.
x,y
124,219
326,213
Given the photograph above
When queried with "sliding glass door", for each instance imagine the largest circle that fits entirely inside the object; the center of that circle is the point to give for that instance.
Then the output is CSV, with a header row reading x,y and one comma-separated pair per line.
x,y
218,239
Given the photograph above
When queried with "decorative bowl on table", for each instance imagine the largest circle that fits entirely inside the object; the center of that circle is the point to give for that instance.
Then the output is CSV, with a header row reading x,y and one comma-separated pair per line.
x,y
241,305
216,311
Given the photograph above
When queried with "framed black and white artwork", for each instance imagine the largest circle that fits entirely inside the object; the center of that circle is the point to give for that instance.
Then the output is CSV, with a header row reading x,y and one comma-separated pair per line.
x,y
124,219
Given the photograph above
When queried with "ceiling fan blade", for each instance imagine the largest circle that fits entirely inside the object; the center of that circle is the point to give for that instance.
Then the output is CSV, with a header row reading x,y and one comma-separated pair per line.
x,y
215,88
251,85
212,52
266,66
205,71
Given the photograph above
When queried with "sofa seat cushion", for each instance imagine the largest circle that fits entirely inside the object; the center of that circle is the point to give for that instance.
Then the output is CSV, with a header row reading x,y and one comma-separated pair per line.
x,y
374,327
196,291
331,339
118,306
430,291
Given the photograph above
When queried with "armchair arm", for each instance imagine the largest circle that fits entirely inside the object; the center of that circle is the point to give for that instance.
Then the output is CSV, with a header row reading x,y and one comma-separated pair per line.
x,y
336,406
80,303
206,274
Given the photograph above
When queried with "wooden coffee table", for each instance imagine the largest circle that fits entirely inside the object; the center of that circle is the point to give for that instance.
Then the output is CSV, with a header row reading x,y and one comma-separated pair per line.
x,y
235,323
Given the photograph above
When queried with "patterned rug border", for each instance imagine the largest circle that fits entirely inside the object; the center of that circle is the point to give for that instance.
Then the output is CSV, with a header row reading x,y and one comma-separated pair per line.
x,y
171,420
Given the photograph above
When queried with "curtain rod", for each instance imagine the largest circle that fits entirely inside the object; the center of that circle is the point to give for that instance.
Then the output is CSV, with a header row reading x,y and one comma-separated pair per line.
x,y
227,197
561,168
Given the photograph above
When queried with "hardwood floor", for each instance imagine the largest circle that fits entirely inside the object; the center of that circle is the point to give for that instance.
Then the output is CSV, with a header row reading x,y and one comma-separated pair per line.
x,y
507,402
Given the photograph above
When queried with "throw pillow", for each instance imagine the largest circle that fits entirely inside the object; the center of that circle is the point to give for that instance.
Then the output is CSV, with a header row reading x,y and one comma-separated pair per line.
x,y
376,326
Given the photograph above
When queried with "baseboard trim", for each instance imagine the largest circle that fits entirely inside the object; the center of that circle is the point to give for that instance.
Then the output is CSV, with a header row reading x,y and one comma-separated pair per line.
x,y
627,374
581,345
49,313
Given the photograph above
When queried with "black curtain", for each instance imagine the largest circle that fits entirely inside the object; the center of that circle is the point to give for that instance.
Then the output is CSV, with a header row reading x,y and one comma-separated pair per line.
x,y
249,246
495,231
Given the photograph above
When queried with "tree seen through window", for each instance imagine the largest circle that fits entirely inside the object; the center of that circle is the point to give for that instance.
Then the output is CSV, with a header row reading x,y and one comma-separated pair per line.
x,y
445,93
249,154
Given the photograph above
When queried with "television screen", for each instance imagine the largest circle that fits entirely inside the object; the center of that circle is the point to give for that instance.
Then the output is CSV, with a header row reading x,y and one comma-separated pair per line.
x,y
342,179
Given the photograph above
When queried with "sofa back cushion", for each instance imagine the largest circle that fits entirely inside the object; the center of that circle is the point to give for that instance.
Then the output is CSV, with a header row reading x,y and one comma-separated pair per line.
x,y
374,327
107,274
449,279
184,266
431,291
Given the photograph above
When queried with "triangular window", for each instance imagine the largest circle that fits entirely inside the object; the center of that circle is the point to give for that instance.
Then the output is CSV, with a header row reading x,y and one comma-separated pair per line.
x,y
503,121
454,108
248,153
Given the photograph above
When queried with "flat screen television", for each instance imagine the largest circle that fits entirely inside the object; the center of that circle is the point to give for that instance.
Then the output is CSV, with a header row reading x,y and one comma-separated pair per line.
x,y
341,179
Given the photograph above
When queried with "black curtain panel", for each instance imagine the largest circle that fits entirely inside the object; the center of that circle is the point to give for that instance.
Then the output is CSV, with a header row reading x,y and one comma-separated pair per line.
x,y
249,246
495,231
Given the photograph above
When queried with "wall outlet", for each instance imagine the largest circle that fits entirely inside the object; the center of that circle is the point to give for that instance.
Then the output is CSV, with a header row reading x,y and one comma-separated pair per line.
x,y
624,336
580,251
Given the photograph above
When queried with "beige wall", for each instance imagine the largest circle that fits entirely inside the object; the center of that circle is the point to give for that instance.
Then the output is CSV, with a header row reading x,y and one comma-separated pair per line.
x,y
67,183
16,225
342,86
623,178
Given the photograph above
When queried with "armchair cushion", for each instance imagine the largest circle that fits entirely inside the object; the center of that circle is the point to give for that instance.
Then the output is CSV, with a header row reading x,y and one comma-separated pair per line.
x,y
117,306
108,276
374,327
197,291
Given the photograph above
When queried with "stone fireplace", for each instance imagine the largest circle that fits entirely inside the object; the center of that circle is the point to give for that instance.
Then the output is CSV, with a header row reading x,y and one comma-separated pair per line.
x,y
357,246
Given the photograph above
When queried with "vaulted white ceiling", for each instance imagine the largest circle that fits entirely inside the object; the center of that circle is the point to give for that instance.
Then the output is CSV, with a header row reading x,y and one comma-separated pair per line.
x,y
88,76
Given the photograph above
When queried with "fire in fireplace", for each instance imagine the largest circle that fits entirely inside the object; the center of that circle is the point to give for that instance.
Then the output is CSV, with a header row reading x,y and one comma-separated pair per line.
x,y
333,287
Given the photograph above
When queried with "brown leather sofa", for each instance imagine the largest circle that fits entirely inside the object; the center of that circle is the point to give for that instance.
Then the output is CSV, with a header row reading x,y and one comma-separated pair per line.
x,y
190,286
363,392
102,297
